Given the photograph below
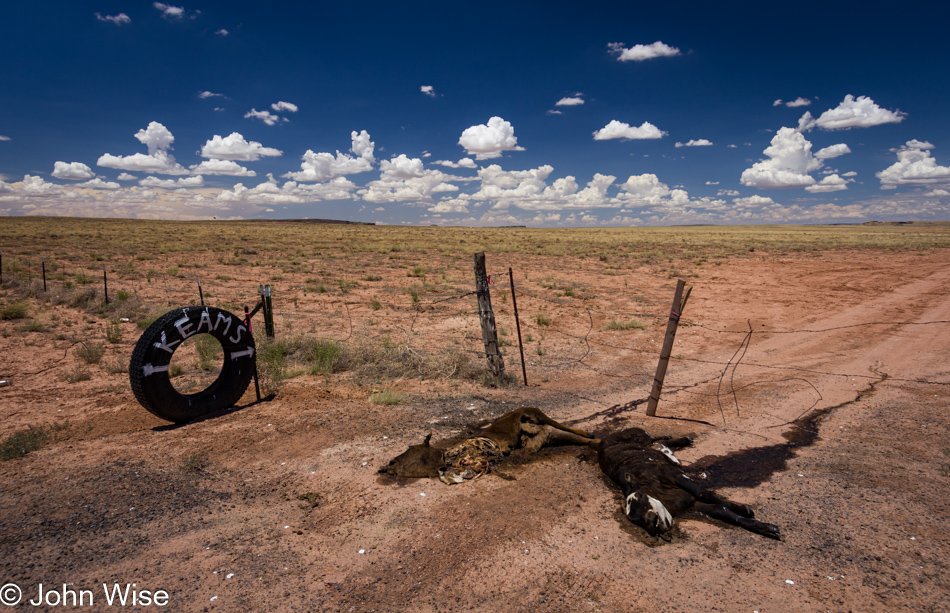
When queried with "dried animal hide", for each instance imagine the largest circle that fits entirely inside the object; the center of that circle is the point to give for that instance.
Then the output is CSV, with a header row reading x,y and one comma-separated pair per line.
x,y
470,459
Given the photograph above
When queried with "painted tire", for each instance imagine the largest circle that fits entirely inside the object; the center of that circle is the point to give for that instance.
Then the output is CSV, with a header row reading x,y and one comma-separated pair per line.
x,y
148,369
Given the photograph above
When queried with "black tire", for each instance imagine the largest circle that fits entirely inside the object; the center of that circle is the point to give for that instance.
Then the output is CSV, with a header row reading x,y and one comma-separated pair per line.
x,y
148,368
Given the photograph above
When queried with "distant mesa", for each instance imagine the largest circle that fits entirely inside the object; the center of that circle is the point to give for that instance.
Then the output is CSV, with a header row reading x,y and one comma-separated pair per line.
x,y
307,220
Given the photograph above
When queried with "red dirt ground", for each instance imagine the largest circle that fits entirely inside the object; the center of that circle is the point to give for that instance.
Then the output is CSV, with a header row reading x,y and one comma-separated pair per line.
x,y
863,510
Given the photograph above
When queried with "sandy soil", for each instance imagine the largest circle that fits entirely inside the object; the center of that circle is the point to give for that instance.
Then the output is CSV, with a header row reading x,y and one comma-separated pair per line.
x,y
287,512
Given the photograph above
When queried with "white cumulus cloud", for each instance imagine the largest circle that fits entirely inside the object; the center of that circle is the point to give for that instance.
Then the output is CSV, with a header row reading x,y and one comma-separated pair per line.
x,y
284,106
618,129
235,147
428,90
405,179
831,183
486,141
120,19
269,193
32,187
463,163
206,94
753,202
647,190
222,32
401,167
361,145
325,166
570,101
860,112
529,190
170,12
793,103
702,142
221,167
798,102
98,183
916,144
73,171
266,116
914,166
833,151
172,183
639,53
161,163
790,161
4,138
158,139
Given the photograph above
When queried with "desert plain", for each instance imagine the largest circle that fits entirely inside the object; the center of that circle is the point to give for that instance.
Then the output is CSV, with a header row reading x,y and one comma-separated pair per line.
x,y
810,366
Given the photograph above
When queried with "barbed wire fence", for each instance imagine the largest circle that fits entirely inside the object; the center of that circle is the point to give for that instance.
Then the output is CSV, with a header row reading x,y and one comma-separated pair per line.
x,y
565,330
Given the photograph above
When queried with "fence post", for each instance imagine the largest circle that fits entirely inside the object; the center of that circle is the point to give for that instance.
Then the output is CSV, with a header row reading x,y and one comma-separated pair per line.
x,y
247,322
105,284
268,313
679,301
514,303
201,294
43,260
496,365
263,307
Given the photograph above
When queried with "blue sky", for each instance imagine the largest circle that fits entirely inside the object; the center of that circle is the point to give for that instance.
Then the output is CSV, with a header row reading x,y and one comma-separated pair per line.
x,y
539,114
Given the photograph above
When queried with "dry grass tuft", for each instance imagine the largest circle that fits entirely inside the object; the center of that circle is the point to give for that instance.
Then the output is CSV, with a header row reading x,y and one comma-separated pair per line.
x,y
631,324
91,353
23,442
15,310
370,356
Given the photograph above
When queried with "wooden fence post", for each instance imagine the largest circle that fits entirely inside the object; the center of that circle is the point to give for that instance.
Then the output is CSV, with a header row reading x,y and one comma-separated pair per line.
x,y
679,301
496,365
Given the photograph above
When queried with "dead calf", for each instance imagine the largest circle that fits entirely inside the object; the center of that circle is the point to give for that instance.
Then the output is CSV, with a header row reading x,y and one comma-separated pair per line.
x,y
656,489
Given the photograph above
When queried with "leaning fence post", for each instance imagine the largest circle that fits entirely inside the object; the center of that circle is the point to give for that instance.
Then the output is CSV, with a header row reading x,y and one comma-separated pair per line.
x,y
496,364
679,301
514,303
201,294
